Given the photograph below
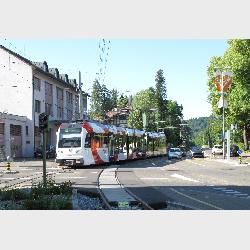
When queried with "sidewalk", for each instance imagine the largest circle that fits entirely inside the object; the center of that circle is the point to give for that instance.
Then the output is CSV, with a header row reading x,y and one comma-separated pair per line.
x,y
233,161
29,163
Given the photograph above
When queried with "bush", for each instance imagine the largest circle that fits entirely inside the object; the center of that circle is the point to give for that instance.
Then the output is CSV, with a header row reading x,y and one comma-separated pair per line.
x,y
52,197
14,195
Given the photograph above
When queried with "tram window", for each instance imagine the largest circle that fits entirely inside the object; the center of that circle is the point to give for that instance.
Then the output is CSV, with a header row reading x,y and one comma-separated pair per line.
x,y
88,141
105,141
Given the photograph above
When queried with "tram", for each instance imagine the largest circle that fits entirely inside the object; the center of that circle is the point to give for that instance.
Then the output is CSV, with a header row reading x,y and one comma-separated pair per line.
x,y
92,143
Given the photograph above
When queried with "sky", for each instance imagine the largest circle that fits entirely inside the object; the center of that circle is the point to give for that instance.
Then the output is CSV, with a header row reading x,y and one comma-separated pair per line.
x,y
131,64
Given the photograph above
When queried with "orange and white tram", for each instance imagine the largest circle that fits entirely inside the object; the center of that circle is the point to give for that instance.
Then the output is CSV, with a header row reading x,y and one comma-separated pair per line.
x,y
91,143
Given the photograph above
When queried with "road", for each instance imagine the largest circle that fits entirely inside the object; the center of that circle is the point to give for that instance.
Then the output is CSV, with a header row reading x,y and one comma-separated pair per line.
x,y
200,183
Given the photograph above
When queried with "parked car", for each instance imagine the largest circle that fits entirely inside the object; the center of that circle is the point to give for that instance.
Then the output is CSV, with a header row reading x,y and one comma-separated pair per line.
x,y
174,153
50,152
184,151
217,149
197,152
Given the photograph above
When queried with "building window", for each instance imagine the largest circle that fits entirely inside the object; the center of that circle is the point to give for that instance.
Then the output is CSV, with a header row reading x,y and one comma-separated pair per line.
x,y
69,98
60,112
59,93
15,130
37,84
48,89
69,114
27,130
37,106
1,128
37,132
48,109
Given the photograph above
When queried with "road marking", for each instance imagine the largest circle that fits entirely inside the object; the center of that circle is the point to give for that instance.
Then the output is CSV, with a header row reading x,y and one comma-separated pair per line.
x,y
72,177
154,178
8,178
231,191
203,202
94,172
241,194
153,164
25,178
183,178
219,188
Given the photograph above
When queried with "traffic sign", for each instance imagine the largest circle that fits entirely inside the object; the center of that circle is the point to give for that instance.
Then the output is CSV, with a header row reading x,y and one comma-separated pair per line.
x,y
43,121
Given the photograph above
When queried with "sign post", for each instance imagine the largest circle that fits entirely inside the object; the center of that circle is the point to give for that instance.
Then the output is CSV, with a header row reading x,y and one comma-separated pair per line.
x,y
228,144
43,125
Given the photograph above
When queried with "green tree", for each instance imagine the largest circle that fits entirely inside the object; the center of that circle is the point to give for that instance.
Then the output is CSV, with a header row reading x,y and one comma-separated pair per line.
x,y
122,101
142,102
174,119
96,111
161,94
114,98
237,57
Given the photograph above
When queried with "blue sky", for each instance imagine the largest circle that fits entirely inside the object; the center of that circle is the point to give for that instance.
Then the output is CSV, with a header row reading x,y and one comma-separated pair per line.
x,y
132,64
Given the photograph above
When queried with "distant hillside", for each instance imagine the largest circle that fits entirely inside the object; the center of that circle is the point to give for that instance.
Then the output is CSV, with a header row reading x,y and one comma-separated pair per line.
x,y
197,125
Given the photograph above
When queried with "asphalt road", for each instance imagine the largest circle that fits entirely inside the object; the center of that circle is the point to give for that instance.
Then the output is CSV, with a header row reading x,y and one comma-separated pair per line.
x,y
199,183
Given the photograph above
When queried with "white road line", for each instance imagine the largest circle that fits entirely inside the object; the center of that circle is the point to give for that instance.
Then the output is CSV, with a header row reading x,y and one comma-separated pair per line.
x,y
72,177
219,188
154,178
153,164
183,178
241,194
8,178
25,178
231,192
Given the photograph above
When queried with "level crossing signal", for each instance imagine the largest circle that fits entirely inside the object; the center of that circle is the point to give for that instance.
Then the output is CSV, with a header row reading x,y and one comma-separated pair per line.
x,y
43,121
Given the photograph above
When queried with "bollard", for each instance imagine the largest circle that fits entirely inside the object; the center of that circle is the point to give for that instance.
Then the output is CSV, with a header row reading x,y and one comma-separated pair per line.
x,y
8,166
240,158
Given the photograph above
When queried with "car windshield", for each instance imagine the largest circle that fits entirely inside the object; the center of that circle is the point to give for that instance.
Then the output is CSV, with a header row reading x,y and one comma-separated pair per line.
x,y
196,148
174,150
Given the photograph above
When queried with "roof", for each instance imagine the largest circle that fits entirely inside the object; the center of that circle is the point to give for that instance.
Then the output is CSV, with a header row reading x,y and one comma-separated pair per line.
x,y
35,66
114,113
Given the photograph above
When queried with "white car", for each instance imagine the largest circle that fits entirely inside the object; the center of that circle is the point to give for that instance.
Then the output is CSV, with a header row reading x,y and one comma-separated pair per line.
x,y
174,153
217,149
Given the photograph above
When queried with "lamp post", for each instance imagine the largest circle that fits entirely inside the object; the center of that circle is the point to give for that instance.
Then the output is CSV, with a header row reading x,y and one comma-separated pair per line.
x,y
182,125
223,82
155,109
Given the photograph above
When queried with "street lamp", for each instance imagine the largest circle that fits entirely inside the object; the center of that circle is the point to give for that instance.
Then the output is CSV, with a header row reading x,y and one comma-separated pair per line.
x,y
223,82
182,125
155,109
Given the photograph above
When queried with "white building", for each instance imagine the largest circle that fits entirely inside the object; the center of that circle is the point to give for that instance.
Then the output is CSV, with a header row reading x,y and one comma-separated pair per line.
x,y
28,89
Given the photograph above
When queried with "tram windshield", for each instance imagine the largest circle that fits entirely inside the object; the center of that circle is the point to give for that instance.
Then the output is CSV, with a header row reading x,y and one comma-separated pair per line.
x,y
70,138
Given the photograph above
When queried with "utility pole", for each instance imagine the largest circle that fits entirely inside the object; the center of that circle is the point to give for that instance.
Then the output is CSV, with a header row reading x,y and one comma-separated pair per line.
x,y
223,82
43,125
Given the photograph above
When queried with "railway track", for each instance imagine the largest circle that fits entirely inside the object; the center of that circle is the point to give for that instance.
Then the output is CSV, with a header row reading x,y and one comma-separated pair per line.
x,y
115,196
29,179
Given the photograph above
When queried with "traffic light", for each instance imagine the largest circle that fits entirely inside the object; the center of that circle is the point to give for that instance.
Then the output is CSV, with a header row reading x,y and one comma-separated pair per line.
x,y
43,121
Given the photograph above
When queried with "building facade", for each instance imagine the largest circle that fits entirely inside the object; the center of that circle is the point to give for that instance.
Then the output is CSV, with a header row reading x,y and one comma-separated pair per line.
x,y
28,89
118,117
